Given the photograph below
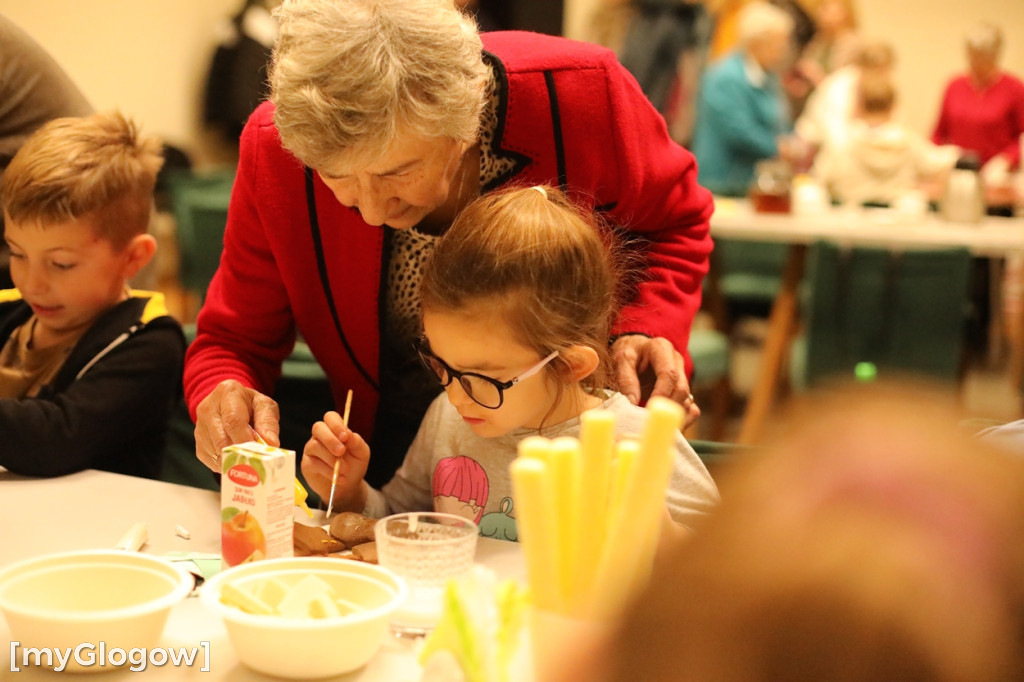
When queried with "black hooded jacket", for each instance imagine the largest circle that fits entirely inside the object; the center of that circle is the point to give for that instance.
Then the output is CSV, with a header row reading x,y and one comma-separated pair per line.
x,y
109,404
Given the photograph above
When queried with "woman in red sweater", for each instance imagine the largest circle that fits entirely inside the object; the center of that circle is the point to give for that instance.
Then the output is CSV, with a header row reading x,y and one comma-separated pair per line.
x,y
386,117
983,110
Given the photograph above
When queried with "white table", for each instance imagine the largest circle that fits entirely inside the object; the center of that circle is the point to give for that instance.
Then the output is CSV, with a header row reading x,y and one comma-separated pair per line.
x,y
93,509
882,228
993,237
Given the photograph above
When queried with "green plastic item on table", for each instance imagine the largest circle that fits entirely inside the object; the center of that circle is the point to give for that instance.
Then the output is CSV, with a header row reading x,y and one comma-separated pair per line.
x,y
201,564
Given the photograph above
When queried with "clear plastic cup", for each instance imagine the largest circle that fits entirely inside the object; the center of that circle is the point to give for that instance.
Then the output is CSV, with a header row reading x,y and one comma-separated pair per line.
x,y
427,550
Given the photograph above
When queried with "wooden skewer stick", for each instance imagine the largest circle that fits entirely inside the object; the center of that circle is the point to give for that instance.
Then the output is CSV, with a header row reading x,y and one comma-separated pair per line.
x,y
337,462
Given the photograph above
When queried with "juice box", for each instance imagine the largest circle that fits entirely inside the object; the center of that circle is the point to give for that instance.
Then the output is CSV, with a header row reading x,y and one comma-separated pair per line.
x,y
257,494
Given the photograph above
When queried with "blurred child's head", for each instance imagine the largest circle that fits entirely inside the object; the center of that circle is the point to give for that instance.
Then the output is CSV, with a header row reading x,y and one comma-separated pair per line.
x,y
520,275
77,200
874,540
876,98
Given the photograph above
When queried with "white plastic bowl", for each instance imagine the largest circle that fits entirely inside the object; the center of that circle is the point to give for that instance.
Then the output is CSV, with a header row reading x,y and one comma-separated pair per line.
x,y
116,597
309,647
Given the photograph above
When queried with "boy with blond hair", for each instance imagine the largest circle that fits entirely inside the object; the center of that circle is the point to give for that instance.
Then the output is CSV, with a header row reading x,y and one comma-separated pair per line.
x,y
89,369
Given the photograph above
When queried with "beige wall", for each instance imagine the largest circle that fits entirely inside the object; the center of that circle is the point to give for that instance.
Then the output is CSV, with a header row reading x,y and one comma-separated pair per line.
x,y
928,35
147,58
150,58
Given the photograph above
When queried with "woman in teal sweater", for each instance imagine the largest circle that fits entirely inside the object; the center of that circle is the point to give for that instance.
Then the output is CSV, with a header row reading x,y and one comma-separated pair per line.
x,y
740,114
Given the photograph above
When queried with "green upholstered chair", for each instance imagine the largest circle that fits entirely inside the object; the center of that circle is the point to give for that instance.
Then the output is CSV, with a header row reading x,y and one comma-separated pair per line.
x,y
750,270
903,312
745,276
199,202
709,349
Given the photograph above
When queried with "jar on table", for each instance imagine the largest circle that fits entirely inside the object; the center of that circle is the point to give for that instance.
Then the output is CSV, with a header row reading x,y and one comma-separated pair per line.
x,y
963,200
771,190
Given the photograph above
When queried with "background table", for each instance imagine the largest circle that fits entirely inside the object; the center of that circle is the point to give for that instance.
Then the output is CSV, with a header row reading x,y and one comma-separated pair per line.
x,y
93,509
882,228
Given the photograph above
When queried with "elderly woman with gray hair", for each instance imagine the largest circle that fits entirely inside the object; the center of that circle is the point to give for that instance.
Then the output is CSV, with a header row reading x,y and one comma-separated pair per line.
x,y
386,117
983,110
741,115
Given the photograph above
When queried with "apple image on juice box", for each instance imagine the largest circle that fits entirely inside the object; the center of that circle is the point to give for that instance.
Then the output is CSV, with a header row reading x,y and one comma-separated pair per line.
x,y
257,493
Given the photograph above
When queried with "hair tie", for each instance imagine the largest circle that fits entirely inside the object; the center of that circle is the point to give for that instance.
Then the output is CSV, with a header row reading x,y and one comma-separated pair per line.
x,y
543,192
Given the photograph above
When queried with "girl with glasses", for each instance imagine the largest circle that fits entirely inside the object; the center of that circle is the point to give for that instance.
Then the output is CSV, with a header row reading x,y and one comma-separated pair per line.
x,y
517,301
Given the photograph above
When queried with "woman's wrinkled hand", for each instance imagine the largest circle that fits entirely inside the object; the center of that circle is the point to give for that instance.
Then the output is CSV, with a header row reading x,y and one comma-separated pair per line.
x,y
233,413
636,358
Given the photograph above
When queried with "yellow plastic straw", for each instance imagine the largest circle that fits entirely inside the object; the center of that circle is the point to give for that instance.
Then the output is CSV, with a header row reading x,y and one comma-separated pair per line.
x,y
564,471
586,565
640,511
531,484
597,443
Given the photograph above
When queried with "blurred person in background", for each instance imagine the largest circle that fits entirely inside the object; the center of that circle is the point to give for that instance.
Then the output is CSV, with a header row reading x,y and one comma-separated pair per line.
x,y
835,41
982,111
725,37
34,89
833,104
741,116
237,80
872,540
725,13
880,161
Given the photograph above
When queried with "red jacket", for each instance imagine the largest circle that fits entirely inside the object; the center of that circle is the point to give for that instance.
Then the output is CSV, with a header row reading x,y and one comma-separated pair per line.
x,y
570,115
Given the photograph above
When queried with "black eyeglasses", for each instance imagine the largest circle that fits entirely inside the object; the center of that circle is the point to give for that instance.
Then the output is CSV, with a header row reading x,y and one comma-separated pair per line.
x,y
484,391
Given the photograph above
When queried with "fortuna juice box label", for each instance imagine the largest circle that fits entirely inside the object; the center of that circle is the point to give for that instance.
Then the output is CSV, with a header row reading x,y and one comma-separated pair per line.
x,y
257,494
